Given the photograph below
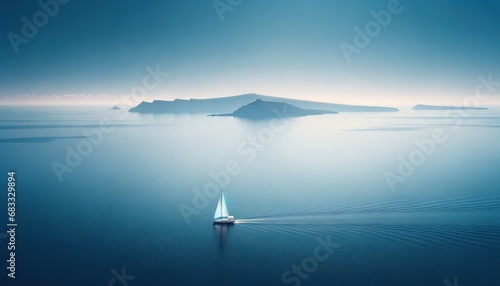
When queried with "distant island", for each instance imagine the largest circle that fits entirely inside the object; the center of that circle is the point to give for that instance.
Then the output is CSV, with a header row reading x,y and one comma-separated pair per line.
x,y
438,107
231,103
260,109
115,108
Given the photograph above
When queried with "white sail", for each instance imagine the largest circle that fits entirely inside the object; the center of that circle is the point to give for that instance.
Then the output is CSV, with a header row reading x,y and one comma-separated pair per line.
x,y
218,211
221,211
225,212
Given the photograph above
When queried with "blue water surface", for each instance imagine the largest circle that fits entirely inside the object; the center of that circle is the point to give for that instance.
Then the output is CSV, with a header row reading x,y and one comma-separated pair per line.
x,y
130,198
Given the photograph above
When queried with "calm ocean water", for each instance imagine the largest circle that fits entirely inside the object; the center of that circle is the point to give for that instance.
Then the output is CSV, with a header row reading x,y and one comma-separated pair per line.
x,y
110,198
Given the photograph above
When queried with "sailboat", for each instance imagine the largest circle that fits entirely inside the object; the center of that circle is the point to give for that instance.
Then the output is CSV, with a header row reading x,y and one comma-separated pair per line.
x,y
221,213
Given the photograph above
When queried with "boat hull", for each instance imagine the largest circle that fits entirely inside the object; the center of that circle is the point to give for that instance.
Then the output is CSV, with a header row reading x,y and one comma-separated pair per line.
x,y
228,220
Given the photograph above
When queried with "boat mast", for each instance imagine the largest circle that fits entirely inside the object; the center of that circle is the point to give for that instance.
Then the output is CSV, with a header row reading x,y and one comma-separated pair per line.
x,y
221,202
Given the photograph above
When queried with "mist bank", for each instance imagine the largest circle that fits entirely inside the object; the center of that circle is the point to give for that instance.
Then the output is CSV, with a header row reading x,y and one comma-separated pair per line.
x,y
443,107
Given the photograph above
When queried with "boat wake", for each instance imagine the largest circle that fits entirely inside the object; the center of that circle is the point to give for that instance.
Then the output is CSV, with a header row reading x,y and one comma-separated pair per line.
x,y
462,222
461,204
442,236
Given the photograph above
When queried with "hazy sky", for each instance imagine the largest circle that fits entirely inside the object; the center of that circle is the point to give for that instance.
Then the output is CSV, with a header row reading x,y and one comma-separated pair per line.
x,y
431,51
